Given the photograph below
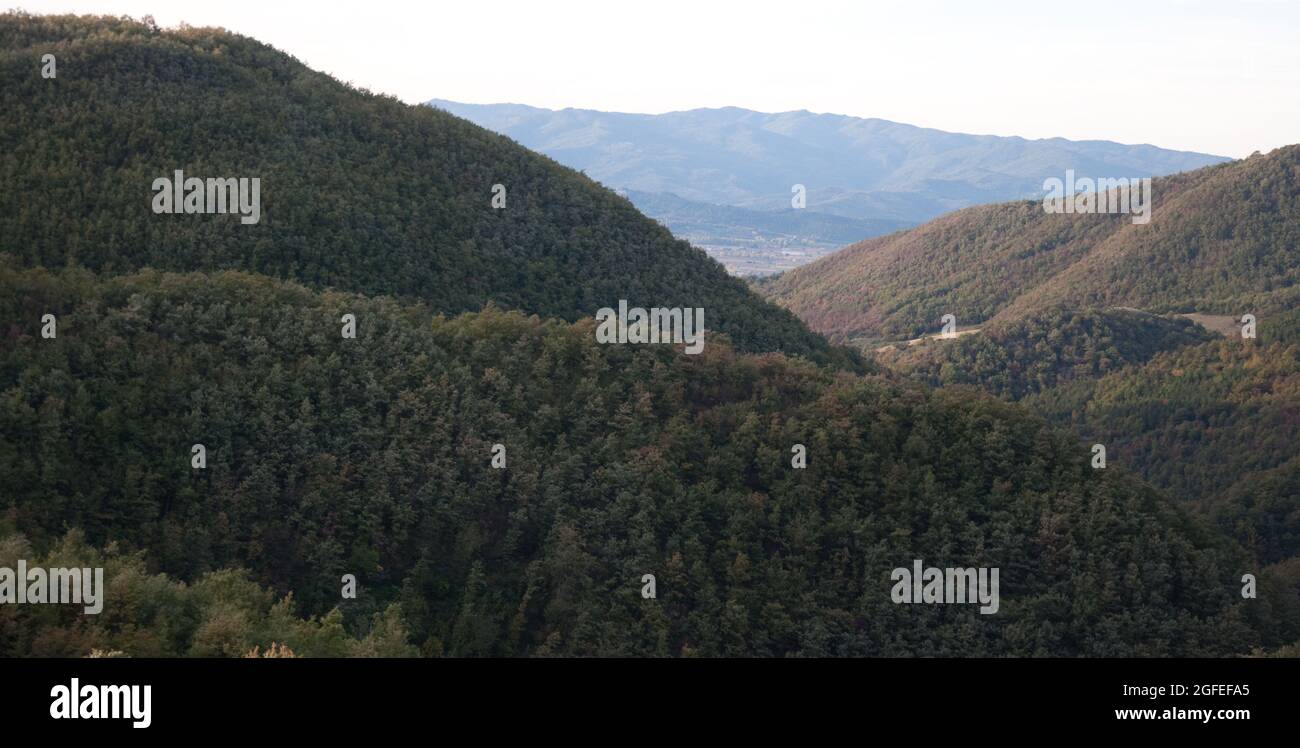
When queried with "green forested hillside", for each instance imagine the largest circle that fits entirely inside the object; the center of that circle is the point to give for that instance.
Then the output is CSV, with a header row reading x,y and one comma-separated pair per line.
x,y
1213,423
1262,511
221,614
1064,305
1221,240
1213,420
1026,356
371,456
358,191
328,456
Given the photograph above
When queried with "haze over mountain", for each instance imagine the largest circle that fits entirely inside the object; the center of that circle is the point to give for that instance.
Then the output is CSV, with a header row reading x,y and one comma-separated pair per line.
x,y
751,241
886,173
373,456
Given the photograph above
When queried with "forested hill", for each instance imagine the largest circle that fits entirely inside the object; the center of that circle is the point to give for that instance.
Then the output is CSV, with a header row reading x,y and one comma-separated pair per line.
x,y
1223,240
1216,424
1029,355
326,455
358,191
372,456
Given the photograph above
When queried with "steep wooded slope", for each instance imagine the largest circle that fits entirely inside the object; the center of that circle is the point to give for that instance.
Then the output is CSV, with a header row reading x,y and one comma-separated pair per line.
x,y
358,191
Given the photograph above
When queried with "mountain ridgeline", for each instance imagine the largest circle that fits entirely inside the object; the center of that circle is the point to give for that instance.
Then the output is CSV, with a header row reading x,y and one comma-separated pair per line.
x,y
724,177
358,191
130,338
866,169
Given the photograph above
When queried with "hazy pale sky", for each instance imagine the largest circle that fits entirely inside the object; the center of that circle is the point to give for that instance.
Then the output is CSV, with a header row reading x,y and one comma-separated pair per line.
x,y
1217,76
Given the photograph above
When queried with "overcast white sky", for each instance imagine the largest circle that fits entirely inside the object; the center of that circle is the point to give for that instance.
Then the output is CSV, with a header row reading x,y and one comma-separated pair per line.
x,y
1217,76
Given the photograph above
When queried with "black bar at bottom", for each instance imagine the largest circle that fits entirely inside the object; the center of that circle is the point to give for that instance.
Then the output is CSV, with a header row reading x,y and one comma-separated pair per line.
x,y
923,696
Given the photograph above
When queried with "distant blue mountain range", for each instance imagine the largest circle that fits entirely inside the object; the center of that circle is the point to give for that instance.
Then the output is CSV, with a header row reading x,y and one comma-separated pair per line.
x,y
682,167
